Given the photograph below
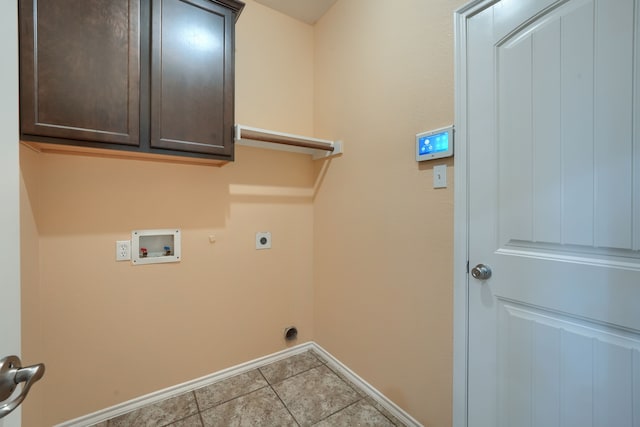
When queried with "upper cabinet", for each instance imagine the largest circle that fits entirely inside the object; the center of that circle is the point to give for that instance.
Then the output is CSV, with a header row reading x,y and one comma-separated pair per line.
x,y
144,77
80,70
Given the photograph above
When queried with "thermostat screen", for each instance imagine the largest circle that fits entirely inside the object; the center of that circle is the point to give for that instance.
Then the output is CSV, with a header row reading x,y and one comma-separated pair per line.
x,y
435,143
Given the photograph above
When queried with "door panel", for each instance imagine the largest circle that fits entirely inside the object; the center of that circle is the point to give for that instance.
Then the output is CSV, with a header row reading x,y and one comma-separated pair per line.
x,y
554,210
569,115
80,72
192,76
560,370
9,189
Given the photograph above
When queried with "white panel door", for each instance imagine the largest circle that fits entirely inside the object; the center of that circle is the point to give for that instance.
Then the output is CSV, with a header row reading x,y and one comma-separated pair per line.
x,y
9,190
553,104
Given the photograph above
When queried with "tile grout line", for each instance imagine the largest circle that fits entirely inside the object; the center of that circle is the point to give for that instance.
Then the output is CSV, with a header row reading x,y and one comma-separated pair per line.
x,y
222,402
268,384
292,376
339,410
382,413
348,384
362,394
187,416
324,363
318,361
198,406
295,420
357,391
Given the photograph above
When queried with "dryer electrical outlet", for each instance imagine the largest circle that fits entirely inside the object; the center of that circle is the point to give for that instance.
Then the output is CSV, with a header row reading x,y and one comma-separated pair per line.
x,y
263,240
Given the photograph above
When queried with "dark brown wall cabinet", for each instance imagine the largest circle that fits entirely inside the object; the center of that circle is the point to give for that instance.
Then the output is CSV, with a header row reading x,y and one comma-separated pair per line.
x,y
150,77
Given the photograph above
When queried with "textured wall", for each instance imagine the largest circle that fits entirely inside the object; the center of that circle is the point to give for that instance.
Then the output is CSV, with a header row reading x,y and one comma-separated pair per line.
x,y
383,235
362,244
109,331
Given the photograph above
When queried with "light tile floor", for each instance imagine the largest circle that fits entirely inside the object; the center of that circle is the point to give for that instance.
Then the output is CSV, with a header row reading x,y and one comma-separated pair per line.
x,y
301,390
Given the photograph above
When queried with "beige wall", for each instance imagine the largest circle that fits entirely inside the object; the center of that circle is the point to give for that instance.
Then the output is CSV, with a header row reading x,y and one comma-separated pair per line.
x,y
31,303
361,258
109,331
383,235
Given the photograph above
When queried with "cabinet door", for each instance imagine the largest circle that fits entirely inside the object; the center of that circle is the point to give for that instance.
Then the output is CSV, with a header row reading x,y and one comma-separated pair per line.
x,y
192,76
80,70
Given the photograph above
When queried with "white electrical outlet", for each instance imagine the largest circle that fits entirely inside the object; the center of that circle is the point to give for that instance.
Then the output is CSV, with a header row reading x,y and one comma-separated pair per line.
x,y
123,250
263,240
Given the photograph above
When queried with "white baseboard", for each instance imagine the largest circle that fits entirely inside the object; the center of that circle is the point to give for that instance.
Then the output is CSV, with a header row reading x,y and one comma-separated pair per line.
x,y
375,394
151,398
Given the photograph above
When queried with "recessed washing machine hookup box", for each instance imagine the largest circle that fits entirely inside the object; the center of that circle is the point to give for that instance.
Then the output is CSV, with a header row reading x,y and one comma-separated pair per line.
x,y
155,246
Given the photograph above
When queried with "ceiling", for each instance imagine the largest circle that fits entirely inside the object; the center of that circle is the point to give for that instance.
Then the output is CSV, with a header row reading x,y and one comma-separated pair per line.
x,y
308,11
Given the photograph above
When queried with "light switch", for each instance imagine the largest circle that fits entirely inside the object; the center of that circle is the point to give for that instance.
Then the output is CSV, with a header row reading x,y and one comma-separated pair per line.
x,y
440,176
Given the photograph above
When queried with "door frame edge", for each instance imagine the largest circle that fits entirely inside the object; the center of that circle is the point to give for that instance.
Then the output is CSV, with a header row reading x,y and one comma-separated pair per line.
x,y
461,215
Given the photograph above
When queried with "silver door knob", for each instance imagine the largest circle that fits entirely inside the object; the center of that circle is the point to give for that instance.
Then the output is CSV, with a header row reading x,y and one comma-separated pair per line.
x,y
11,374
481,272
